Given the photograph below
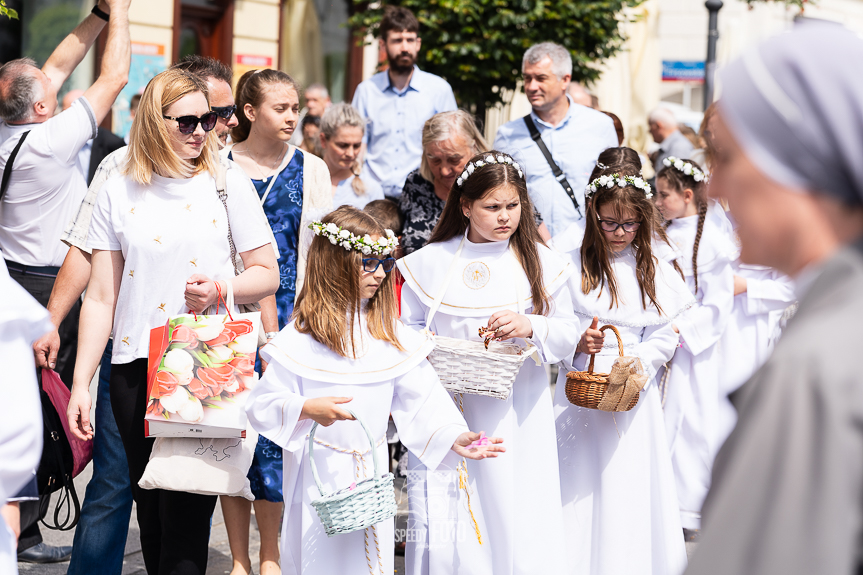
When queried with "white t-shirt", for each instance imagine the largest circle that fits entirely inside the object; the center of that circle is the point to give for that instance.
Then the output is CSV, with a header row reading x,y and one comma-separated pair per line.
x,y
167,232
345,195
45,187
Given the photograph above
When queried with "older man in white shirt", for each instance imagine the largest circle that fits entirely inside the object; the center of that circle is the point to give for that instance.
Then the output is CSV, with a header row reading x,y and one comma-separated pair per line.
x,y
573,135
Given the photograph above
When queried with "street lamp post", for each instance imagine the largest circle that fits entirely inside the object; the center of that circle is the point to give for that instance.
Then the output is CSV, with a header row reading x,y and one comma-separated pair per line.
x,y
713,6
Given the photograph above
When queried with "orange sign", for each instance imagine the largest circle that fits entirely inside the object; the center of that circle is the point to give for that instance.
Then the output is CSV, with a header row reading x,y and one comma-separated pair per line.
x,y
245,62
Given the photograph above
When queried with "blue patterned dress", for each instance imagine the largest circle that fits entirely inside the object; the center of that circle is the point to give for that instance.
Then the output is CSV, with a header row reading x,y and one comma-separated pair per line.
x,y
284,208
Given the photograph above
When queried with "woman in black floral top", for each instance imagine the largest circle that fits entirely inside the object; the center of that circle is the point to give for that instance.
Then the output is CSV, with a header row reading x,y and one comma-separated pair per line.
x,y
450,139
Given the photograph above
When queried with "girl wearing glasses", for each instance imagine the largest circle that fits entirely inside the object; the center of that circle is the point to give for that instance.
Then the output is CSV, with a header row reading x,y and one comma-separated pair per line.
x,y
346,353
702,233
293,188
159,236
616,478
504,279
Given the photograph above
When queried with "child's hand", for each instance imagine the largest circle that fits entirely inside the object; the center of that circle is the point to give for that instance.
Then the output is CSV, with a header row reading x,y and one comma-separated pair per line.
x,y
591,340
739,284
472,445
509,324
326,410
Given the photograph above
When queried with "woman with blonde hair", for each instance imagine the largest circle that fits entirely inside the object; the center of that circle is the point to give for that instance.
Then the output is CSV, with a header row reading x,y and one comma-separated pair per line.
x,y
159,236
341,138
293,187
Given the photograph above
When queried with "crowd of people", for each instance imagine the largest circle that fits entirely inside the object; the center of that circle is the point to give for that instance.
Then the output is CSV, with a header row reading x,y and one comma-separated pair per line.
x,y
369,233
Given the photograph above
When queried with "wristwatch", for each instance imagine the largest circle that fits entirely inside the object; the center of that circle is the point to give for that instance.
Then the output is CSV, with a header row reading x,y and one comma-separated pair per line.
x,y
96,11
270,335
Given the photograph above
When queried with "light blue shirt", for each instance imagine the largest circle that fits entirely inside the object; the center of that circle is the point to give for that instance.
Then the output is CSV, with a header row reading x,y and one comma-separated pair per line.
x,y
574,143
345,195
395,123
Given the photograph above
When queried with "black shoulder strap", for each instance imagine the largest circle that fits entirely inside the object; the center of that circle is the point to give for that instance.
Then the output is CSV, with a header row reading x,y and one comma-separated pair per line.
x,y
7,170
555,169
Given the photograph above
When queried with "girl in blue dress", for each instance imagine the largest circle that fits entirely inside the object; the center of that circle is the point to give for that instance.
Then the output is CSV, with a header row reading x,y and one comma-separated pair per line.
x,y
294,188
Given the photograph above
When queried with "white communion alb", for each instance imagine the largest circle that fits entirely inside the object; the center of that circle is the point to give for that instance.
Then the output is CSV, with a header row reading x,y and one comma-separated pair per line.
x,y
382,381
22,321
515,498
617,483
692,407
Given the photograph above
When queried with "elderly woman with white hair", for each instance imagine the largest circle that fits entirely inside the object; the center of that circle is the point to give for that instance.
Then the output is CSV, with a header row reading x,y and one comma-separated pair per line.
x,y
450,139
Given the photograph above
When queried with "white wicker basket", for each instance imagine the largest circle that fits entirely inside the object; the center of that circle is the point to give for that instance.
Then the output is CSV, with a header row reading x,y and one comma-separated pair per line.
x,y
465,366
371,501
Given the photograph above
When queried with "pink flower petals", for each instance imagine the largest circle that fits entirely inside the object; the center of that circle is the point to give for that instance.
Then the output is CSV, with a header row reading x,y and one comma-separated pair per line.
x,y
481,442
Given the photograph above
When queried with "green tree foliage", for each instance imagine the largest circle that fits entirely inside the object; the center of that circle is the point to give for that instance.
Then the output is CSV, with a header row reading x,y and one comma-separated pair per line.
x,y
477,45
8,12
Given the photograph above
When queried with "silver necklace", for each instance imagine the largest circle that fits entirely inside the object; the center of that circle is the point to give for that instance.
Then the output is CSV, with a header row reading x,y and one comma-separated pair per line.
x,y
258,164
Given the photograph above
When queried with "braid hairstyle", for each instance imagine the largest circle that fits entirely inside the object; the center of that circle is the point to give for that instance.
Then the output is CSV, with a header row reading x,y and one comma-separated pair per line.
x,y
679,182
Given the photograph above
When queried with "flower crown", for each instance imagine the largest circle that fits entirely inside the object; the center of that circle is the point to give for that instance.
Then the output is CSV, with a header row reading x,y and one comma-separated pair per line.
x,y
365,245
487,161
685,167
621,181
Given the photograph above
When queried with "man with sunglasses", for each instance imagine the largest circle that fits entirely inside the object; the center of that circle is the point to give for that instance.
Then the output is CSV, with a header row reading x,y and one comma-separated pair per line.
x,y
100,537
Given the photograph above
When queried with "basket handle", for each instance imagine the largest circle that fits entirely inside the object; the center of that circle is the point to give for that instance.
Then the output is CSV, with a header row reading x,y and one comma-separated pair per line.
x,y
619,345
312,449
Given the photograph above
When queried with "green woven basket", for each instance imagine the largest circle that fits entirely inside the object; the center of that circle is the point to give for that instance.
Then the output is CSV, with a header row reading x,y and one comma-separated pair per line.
x,y
372,500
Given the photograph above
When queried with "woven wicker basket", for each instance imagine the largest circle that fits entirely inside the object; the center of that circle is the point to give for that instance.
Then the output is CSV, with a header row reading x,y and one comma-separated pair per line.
x,y
371,501
586,389
467,367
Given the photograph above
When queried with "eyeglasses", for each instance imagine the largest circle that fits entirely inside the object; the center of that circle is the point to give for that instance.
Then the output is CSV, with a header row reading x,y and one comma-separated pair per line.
x,y
611,227
371,265
224,112
188,124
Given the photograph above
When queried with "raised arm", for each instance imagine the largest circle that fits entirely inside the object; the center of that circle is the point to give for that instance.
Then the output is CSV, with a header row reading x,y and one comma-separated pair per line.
x,y
116,60
74,47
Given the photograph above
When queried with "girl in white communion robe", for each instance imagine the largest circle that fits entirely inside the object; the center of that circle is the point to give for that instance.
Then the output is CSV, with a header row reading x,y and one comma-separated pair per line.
x,y
617,483
346,349
486,267
692,420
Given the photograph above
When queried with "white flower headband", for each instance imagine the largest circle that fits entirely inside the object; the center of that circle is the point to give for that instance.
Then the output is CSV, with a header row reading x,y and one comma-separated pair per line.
x,y
620,181
685,167
365,245
486,161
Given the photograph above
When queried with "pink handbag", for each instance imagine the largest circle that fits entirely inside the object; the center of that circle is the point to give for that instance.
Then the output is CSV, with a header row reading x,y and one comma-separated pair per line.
x,y
82,451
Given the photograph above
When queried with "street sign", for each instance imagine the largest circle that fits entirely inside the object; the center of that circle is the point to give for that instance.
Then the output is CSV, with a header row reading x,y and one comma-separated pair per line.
x,y
682,71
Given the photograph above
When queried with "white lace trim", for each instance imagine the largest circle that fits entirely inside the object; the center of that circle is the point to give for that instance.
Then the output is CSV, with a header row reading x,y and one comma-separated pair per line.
x,y
617,323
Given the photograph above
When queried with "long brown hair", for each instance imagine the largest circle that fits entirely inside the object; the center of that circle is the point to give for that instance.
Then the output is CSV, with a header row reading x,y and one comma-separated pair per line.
x,y
251,89
524,240
596,255
678,181
330,302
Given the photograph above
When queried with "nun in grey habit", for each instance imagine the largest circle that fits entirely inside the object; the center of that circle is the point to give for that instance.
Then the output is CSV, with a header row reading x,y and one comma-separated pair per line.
x,y
787,490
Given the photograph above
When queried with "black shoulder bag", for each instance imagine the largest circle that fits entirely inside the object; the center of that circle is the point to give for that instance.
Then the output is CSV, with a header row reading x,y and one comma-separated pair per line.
x,y
555,169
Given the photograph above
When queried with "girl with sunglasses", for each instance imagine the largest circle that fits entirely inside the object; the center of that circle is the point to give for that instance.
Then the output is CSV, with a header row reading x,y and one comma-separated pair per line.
x,y
159,236
692,412
616,478
346,354
293,187
502,278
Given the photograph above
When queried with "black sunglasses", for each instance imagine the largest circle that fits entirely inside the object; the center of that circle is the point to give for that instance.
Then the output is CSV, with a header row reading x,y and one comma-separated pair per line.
x,y
371,265
611,227
187,124
224,112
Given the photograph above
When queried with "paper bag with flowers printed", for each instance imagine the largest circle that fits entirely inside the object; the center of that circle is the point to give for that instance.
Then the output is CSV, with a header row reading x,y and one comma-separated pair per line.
x,y
200,371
